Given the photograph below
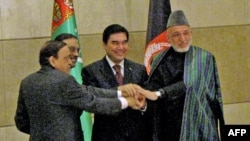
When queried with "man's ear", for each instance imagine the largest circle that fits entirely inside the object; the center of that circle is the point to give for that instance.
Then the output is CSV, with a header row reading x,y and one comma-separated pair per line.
x,y
52,61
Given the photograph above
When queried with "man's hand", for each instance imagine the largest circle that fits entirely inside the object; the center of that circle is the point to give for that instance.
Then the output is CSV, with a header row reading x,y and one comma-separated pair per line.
x,y
148,94
129,90
135,103
142,98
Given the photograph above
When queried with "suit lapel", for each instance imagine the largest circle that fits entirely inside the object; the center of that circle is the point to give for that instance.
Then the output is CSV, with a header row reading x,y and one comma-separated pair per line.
x,y
107,73
128,70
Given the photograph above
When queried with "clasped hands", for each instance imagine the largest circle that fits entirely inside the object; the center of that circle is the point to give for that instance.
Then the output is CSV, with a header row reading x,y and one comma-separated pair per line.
x,y
136,95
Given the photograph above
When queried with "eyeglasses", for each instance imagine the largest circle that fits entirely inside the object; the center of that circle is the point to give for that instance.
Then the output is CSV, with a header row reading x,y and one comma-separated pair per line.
x,y
74,49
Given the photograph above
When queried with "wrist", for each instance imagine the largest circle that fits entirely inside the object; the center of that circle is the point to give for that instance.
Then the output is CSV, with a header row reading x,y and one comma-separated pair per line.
x,y
160,93
119,93
124,102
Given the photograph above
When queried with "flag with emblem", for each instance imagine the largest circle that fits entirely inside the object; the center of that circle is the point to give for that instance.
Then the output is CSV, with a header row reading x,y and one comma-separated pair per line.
x,y
156,41
63,21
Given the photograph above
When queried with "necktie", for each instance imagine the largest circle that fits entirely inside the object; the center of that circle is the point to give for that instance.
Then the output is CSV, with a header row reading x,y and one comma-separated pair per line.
x,y
118,74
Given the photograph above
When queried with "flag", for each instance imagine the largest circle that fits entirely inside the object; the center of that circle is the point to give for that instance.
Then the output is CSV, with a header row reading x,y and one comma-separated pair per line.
x,y
63,21
156,41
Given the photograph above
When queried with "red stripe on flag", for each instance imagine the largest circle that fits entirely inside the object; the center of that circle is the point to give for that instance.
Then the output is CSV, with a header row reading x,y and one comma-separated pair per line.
x,y
154,47
159,11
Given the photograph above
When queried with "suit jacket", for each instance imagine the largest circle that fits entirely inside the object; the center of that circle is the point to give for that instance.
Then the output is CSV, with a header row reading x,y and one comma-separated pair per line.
x,y
129,124
203,109
50,104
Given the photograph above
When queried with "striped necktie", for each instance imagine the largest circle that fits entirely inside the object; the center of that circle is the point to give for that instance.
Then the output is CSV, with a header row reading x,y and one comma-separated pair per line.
x,y
118,74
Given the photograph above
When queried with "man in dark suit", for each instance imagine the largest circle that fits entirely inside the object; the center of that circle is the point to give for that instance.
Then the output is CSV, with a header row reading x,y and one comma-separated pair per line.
x,y
50,101
128,125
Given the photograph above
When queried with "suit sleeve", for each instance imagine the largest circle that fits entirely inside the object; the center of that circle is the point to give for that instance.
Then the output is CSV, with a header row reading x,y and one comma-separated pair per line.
x,y
174,91
21,117
86,97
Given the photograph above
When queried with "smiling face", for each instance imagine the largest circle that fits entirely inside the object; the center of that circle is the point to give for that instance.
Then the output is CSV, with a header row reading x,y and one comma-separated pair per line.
x,y
74,48
180,37
117,47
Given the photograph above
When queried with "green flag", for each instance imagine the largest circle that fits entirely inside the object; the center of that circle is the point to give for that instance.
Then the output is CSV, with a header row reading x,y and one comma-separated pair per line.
x,y
63,21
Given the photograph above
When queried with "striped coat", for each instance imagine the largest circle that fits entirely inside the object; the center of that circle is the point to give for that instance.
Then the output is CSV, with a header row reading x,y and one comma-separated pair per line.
x,y
203,109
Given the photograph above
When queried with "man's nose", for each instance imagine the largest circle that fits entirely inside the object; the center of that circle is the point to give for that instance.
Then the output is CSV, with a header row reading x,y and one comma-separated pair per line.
x,y
70,61
182,37
121,46
76,53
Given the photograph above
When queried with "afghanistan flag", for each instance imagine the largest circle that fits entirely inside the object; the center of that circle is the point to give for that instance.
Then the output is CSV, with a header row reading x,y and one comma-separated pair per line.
x,y
63,21
159,11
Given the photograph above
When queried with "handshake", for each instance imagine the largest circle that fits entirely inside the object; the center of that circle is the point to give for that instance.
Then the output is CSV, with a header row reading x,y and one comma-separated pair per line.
x,y
136,96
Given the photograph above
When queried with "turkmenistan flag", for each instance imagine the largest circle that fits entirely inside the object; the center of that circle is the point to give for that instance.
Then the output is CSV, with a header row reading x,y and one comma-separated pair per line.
x,y
159,11
64,21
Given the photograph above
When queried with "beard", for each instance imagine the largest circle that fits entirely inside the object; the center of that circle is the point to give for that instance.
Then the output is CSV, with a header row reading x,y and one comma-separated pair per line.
x,y
181,50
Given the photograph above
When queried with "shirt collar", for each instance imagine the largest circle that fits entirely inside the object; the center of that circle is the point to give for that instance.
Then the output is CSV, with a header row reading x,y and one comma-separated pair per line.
x,y
111,63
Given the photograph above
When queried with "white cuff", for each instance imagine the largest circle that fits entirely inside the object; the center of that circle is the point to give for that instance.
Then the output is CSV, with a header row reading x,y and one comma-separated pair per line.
x,y
124,102
158,93
119,93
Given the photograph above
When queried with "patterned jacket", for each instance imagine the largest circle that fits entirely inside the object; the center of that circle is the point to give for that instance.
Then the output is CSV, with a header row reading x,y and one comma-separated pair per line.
x,y
203,107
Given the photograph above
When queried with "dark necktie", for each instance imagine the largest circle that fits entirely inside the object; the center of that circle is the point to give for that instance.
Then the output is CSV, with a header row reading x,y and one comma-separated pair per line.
x,y
118,74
